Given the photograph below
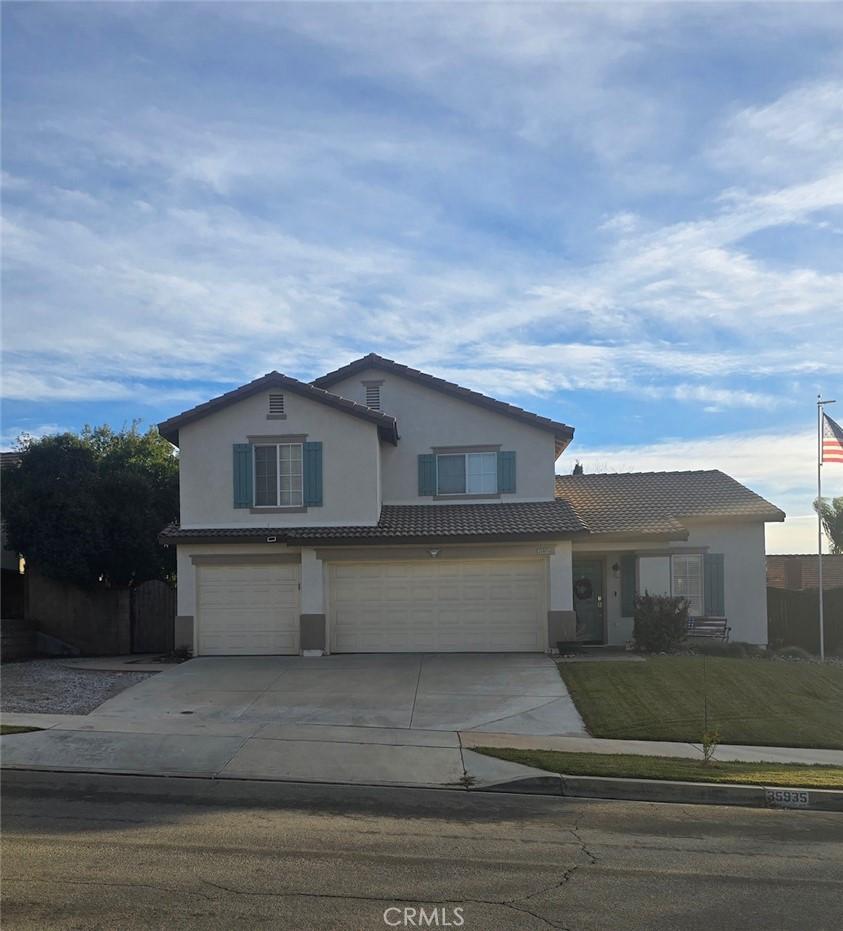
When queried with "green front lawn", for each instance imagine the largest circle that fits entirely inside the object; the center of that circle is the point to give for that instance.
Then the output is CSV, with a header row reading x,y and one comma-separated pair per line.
x,y
750,701
790,775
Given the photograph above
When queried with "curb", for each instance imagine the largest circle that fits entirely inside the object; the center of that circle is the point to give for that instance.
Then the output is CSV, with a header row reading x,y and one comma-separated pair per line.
x,y
662,790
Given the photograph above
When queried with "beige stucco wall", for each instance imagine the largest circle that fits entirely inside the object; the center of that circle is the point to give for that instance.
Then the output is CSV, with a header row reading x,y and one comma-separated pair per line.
x,y
350,453
428,418
745,582
745,574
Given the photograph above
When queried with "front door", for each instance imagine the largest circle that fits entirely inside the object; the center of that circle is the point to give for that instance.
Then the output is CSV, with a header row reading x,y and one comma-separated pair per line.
x,y
588,600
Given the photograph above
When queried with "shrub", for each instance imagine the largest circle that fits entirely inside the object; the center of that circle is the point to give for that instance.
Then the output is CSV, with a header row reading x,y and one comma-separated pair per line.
x,y
661,622
710,740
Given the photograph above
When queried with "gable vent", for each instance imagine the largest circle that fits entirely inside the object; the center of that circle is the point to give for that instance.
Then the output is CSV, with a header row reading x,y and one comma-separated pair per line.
x,y
373,397
276,405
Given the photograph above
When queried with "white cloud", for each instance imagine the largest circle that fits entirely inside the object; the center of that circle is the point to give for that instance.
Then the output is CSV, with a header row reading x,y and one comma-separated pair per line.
x,y
155,237
801,131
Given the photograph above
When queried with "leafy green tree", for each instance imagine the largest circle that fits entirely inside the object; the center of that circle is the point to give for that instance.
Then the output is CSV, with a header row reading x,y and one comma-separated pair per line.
x,y
88,507
831,512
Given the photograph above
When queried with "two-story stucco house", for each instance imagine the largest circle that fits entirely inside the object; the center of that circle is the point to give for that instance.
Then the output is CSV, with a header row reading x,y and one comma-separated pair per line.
x,y
381,509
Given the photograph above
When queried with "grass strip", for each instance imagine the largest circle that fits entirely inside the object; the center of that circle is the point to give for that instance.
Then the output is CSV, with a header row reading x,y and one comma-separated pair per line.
x,y
632,766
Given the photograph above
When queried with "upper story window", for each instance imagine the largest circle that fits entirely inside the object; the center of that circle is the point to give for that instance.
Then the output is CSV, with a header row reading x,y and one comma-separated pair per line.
x,y
276,405
687,581
467,474
373,395
278,475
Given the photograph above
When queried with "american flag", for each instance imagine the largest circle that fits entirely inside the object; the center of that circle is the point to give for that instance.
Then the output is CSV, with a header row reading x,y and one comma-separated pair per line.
x,y
832,440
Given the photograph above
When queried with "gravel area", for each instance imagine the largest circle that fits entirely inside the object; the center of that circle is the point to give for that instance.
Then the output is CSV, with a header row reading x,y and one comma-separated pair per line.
x,y
45,686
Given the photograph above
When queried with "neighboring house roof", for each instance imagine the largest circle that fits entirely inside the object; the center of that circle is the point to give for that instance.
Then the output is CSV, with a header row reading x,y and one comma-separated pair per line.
x,y
9,460
656,502
387,425
415,523
564,434
799,571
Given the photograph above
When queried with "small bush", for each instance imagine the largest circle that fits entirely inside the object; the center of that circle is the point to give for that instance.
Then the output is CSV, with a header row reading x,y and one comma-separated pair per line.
x,y
661,622
710,740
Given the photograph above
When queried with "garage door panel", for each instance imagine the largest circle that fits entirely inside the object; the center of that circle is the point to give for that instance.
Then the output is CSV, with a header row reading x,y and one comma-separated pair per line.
x,y
488,605
248,610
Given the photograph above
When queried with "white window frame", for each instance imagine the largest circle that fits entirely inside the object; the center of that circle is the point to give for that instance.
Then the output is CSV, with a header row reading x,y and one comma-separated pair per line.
x,y
486,452
278,447
696,601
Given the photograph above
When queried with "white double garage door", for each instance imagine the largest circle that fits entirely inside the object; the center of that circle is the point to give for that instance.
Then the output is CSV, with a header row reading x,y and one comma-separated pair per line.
x,y
491,605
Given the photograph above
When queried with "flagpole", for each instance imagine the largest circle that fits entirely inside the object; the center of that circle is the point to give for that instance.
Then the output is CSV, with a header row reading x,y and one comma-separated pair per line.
x,y
820,520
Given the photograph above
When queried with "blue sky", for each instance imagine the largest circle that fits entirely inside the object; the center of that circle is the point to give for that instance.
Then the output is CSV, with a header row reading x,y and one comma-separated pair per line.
x,y
627,217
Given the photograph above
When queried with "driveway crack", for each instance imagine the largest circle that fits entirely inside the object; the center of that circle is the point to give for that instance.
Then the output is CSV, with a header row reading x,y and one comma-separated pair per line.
x,y
416,693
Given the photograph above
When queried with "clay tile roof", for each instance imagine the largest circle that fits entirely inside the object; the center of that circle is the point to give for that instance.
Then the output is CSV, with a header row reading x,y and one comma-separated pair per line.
x,y
564,433
387,425
417,523
656,502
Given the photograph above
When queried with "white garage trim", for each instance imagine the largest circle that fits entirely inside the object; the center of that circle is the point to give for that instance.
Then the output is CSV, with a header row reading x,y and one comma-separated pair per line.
x,y
449,606
247,609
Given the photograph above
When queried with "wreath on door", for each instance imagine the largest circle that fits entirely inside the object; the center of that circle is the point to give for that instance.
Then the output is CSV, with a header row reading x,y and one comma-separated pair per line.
x,y
583,589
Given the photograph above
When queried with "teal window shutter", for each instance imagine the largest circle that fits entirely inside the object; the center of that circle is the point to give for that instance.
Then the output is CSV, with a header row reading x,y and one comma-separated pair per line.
x,y
312,472
506,472
713,585
427,474
628,585
242,475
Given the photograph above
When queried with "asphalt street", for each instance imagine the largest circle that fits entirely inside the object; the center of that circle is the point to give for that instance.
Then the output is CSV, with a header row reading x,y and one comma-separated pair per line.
x,y
118,852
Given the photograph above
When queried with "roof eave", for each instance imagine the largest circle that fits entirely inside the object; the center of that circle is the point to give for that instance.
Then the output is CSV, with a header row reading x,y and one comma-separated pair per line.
x,y
387,426
375,539
638,536
774,515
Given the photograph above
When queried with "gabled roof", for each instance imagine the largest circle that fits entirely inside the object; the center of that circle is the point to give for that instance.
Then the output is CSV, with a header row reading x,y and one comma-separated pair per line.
x,y
656,502
414,523
564,434
387,426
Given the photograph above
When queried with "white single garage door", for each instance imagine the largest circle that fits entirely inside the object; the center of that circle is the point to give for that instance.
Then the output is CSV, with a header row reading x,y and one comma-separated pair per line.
x,y
438,607
248,609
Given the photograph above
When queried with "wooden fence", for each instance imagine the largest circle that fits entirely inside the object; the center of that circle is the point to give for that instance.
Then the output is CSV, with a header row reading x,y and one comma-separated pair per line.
x,y
101,621
792,618
153,613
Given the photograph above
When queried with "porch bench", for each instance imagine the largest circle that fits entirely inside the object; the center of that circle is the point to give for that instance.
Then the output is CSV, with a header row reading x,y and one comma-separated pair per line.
x,y
716,628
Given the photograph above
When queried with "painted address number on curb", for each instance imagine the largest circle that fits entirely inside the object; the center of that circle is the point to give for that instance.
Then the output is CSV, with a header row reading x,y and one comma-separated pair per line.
x,y
787,798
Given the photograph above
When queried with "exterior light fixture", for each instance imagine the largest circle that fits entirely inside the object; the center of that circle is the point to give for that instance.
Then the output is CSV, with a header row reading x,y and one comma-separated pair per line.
x,y
271,539
434,553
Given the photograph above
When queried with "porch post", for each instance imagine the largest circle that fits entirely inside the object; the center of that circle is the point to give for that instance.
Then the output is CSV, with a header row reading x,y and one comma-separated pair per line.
x,y
312,607
561,620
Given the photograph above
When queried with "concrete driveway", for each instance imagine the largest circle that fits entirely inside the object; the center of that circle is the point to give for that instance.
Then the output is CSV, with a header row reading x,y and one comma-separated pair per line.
x,y
503,693
383,720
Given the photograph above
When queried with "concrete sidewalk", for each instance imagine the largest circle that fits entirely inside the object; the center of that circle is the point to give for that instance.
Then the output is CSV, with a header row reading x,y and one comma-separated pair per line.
x,y
193,746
